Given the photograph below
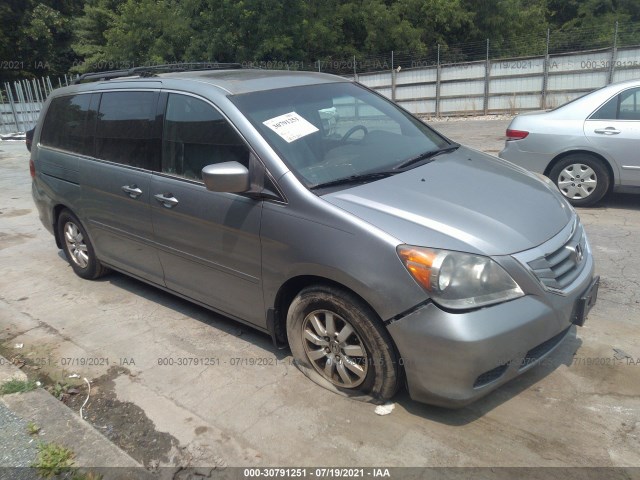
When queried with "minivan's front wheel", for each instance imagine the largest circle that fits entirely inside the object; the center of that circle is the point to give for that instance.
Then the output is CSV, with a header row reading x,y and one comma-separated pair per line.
x,y
337,342
77,247
581,178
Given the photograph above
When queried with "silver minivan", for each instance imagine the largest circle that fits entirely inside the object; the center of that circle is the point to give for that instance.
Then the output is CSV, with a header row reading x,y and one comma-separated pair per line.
x,y
321,213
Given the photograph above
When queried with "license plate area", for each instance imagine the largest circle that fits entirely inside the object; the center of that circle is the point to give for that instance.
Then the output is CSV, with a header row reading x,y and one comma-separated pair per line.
x,y
586,302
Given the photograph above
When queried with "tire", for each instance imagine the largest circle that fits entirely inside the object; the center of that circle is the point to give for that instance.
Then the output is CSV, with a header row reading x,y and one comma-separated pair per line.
x,y
362,364
581,178
78,248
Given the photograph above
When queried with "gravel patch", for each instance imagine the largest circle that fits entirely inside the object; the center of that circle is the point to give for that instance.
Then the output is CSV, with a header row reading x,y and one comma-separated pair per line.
x,y
17,448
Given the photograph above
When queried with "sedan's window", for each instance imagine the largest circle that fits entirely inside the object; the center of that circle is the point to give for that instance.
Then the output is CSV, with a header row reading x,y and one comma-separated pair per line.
x,y
609,111
331,131
624,106
65,126
196,135
124,130
630,105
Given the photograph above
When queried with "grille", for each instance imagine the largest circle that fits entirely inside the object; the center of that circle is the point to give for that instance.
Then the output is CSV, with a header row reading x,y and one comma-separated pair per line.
x,y
541,350
558,269
490,376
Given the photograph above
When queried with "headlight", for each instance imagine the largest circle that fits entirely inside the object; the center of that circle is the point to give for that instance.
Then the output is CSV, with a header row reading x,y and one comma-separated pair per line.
x,y
459,280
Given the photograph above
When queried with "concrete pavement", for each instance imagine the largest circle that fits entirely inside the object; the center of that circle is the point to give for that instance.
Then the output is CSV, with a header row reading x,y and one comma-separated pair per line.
x,y
213,392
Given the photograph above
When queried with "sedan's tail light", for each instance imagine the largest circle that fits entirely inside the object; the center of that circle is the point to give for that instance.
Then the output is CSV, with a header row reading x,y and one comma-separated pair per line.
x,y
516,134
32,169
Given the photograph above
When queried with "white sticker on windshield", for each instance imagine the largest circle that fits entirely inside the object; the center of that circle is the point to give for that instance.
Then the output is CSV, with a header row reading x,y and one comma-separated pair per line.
x,y
290,126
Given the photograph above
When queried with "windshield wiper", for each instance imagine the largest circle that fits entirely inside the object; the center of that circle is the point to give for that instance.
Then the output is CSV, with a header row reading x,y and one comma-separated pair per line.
x,y
427,155
363,177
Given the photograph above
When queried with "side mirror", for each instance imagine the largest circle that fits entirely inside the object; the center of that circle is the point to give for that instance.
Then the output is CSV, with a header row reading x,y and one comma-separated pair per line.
x,y
230,177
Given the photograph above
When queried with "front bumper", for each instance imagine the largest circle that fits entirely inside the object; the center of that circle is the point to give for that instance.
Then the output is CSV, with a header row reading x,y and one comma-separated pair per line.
x,y
452,359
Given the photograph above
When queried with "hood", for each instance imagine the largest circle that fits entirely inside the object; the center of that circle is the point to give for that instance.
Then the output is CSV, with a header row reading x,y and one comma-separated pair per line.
x,y
465,200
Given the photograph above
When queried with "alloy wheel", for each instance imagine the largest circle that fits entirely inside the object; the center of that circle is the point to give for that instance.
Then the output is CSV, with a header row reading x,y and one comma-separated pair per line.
x,y
76,245
334,348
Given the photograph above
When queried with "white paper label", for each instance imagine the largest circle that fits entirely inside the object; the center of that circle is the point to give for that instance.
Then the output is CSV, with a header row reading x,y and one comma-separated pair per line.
x,y
290,126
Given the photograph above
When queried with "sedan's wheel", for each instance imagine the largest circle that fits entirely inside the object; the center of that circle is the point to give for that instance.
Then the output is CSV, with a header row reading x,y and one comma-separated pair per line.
x,y
581,178
77,247
339,343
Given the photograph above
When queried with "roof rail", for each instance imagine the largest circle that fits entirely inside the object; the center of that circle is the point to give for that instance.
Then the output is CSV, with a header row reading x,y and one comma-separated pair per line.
x,y
150,71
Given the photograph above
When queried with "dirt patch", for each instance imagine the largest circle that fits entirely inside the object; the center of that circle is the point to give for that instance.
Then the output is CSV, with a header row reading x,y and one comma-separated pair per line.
x,y
10,239
124,423
14,213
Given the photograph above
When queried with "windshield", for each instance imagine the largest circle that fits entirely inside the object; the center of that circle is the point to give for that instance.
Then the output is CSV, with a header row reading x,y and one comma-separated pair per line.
x,y
332,131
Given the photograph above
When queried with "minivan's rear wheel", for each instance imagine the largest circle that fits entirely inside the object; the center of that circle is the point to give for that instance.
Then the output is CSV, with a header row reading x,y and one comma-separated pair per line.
x,y
338,342
581,178
77,247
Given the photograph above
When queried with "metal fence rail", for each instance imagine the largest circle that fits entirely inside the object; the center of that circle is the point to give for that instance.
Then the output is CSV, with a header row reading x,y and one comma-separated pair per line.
x,y
22,100
504,86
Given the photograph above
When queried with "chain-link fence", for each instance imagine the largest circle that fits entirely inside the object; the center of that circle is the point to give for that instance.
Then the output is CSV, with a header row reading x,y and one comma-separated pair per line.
x,y
549,42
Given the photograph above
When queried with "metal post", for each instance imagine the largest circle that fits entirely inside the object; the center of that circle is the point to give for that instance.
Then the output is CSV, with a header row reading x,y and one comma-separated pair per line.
x,y
26,114
29,92
393,79
355,72
318,65
21,102
614,55
545,76
13,108
2,126
43,92
36,94
487,73
438,73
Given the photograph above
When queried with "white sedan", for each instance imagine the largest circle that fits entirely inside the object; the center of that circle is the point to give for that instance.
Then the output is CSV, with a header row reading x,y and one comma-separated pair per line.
x,y
587,147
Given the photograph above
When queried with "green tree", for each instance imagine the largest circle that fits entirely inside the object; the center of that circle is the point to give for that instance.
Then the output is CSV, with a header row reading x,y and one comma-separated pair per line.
x,y
513,27
147,31
90,28
591,23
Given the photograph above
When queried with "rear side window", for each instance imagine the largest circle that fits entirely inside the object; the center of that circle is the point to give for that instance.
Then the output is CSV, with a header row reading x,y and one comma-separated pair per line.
x,y
65,126
624,106
630,105
196,135
125,128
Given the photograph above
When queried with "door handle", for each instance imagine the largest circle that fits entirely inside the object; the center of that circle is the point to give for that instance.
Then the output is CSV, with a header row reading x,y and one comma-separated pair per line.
x,y
132,190
607,131
167,199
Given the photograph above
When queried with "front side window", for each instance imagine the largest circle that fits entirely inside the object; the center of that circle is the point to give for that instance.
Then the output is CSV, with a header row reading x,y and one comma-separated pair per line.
x,y
65,126
332,131
196,135
124,130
